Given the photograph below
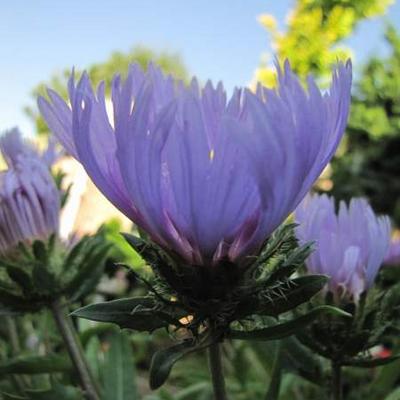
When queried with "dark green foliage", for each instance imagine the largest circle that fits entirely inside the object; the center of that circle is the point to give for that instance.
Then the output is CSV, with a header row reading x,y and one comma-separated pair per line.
x,y
214,297
47,271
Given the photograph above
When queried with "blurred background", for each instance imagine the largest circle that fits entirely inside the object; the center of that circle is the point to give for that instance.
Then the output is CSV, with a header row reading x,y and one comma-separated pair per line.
x,y
234,41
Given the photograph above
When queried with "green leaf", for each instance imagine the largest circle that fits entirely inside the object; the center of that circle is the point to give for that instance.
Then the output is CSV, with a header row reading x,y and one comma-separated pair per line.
x,y
35,365
57,392
370,362
276,376
163,361
285,329
138,313
297,291
119,370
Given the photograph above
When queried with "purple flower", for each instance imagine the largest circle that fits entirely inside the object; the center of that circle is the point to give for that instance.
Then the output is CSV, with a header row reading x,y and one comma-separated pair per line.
x,y
29,199
393,254
206,177
350,245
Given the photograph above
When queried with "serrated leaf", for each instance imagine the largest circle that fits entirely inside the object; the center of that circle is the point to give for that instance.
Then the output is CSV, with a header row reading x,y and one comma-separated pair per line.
x,y
163,361
119,370
138,313
285,329
36,365
297,291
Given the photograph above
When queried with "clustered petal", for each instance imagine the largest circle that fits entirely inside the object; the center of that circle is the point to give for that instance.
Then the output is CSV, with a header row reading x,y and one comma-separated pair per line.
x,y
350,244
207,177
29,199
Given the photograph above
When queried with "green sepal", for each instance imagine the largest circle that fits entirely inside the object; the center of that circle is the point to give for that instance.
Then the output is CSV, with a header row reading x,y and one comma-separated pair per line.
x,y
291,294
44,281
137,313
20,277
163,361
290,264
89,273
145,249
39,251
285,329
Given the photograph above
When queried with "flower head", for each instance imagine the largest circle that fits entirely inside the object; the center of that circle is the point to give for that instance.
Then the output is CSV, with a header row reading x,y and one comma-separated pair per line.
x,y
29,199
208,178
350,245
393,254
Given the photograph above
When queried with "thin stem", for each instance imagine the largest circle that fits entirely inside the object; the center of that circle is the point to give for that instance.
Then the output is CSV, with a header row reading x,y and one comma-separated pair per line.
x,y
217,375
74,348
336,381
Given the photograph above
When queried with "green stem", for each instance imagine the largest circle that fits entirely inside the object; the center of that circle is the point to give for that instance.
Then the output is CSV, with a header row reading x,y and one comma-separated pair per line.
x,y
74,349
336,381
217,375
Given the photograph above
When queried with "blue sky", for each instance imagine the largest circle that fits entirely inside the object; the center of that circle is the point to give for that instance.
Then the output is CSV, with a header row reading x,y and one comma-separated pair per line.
x,y
217,39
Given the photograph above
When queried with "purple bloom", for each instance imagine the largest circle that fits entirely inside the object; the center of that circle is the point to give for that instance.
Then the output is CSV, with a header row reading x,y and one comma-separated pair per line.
x,y
29,199
393,254
350,245
206,177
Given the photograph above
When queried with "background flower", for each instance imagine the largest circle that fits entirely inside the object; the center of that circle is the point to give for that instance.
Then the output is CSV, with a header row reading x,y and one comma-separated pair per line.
x,y
206,177
29,199
393,255
350,245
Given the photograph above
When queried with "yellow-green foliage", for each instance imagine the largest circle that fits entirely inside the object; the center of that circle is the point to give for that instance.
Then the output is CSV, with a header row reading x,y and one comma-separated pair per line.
x,y
314,30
